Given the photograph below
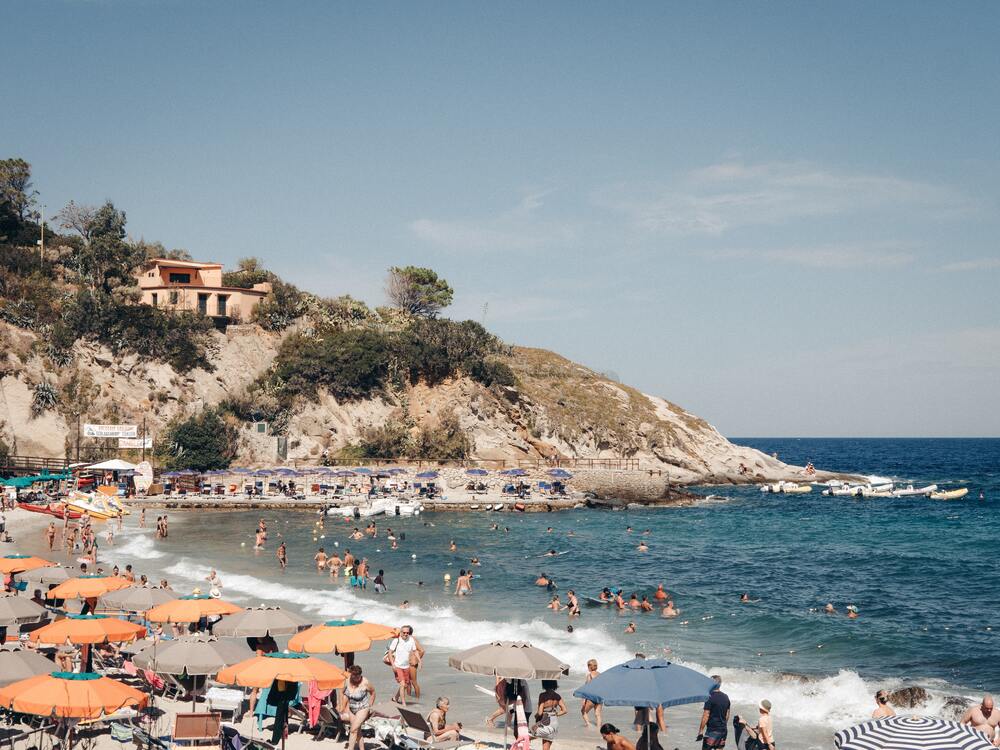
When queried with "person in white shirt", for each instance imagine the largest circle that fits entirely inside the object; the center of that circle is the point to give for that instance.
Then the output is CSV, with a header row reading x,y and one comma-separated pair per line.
x,y
403,652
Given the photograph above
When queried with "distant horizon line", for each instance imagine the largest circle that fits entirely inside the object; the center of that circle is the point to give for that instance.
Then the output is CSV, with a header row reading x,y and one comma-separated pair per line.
x,y
862,437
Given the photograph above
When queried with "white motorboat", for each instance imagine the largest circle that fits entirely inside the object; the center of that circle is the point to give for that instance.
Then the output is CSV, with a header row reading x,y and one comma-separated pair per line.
x,y
787,488
910,490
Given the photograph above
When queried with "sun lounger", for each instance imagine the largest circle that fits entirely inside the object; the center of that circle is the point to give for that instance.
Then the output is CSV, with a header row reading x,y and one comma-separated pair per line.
x,y
15,737
226,700
197,727
231,739
413,720
144,739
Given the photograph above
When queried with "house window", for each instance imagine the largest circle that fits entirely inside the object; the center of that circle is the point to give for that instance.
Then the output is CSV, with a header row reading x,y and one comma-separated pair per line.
x,y
203,304
174,298
180,278
223,304
155,299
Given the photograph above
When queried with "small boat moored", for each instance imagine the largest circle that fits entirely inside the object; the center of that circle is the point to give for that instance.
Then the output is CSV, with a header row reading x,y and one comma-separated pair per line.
x,y
950,494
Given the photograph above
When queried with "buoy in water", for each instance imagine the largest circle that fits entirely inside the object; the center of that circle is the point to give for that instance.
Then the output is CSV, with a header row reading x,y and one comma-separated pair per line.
x,y
413,557
243,544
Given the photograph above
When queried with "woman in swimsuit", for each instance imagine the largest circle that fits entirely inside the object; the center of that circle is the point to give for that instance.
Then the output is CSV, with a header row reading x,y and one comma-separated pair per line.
x,y
550,707
356,705
589,706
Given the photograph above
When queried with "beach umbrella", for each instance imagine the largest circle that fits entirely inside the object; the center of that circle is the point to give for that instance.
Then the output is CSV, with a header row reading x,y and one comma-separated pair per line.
x,y
259,622
262,671
21,563
70,695
340,636
191,609
170,474
514,472
87,629
476,472
361,470
344,473
512,659
649,683
241,470
191,656
87,587
54,574
427,475
136,599
397,470
911,733
18,610
559,474
18,664
262,473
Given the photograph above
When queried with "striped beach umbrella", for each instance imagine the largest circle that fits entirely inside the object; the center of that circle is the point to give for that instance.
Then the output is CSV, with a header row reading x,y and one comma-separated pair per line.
x,y
911,733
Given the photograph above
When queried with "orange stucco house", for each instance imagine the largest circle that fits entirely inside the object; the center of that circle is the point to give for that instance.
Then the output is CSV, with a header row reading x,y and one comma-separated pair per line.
x,y
188,285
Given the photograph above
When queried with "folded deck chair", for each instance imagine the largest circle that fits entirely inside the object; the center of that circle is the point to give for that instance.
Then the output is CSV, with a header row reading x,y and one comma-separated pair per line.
x,y
416,722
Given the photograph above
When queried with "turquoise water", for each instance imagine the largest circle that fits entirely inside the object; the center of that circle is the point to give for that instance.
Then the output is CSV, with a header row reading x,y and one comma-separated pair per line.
x,y
921,572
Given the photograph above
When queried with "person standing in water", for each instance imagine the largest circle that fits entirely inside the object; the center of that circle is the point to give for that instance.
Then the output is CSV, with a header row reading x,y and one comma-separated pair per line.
x,y
463,586
282,555
882,708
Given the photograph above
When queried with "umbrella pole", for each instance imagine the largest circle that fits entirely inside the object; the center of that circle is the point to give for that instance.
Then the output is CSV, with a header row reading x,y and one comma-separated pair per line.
x,y
506,719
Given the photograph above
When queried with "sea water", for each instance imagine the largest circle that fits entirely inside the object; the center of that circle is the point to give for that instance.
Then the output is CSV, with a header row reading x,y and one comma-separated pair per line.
x,y
922,574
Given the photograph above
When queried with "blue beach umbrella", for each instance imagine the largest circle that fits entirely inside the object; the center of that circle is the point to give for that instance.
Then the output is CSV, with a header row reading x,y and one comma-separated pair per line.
x,y
170,474
647,683
514,472
362,470
427,475
559,474
476,472
397,470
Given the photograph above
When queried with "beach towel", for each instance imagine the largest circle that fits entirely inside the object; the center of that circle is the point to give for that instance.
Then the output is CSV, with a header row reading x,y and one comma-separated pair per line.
x,y
155,681
315,701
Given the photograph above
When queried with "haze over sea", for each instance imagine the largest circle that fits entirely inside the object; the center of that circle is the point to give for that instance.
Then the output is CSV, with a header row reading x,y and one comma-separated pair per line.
x,y
920,571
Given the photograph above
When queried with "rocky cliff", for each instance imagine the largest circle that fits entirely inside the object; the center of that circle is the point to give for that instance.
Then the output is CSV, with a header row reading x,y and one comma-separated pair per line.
x,y
556,409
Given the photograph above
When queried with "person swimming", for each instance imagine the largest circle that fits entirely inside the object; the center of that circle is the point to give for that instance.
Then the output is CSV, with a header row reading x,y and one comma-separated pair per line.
x,y
642,547
669,610
659,593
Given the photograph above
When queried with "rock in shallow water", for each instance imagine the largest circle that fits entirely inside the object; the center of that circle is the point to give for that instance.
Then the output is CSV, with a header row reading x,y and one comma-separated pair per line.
x,y
910,697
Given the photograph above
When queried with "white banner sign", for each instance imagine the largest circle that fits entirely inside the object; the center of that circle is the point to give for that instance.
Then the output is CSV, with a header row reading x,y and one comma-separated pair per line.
x,y
110,430
135,443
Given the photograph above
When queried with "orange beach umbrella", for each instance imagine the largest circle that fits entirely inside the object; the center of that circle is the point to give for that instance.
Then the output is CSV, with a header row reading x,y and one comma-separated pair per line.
x,y
261,671
70,695
87,587
21,563
191,609
88,629
340,636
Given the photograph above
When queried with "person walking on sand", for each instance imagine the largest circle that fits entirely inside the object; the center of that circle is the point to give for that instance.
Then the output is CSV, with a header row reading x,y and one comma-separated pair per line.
x,y
282,555
398,657
50,535
357,699
587,706
550,707
882,708
714,725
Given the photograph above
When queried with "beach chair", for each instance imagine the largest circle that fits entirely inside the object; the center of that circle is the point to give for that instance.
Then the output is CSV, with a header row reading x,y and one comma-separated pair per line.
x,y
416,722
145,740
197,727
223,700
231,739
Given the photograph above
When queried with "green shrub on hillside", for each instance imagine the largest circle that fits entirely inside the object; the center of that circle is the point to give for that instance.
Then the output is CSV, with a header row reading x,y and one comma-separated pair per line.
x,y
201,442
349,364
281,307
446,440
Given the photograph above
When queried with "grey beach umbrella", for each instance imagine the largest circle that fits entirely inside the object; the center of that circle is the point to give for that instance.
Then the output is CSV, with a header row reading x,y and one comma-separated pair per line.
x,y
258,622
18,610
511,659
191,656
16,665
137,599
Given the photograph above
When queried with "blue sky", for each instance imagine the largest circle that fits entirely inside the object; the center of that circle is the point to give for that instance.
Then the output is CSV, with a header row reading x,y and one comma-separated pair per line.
x,y
782,216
